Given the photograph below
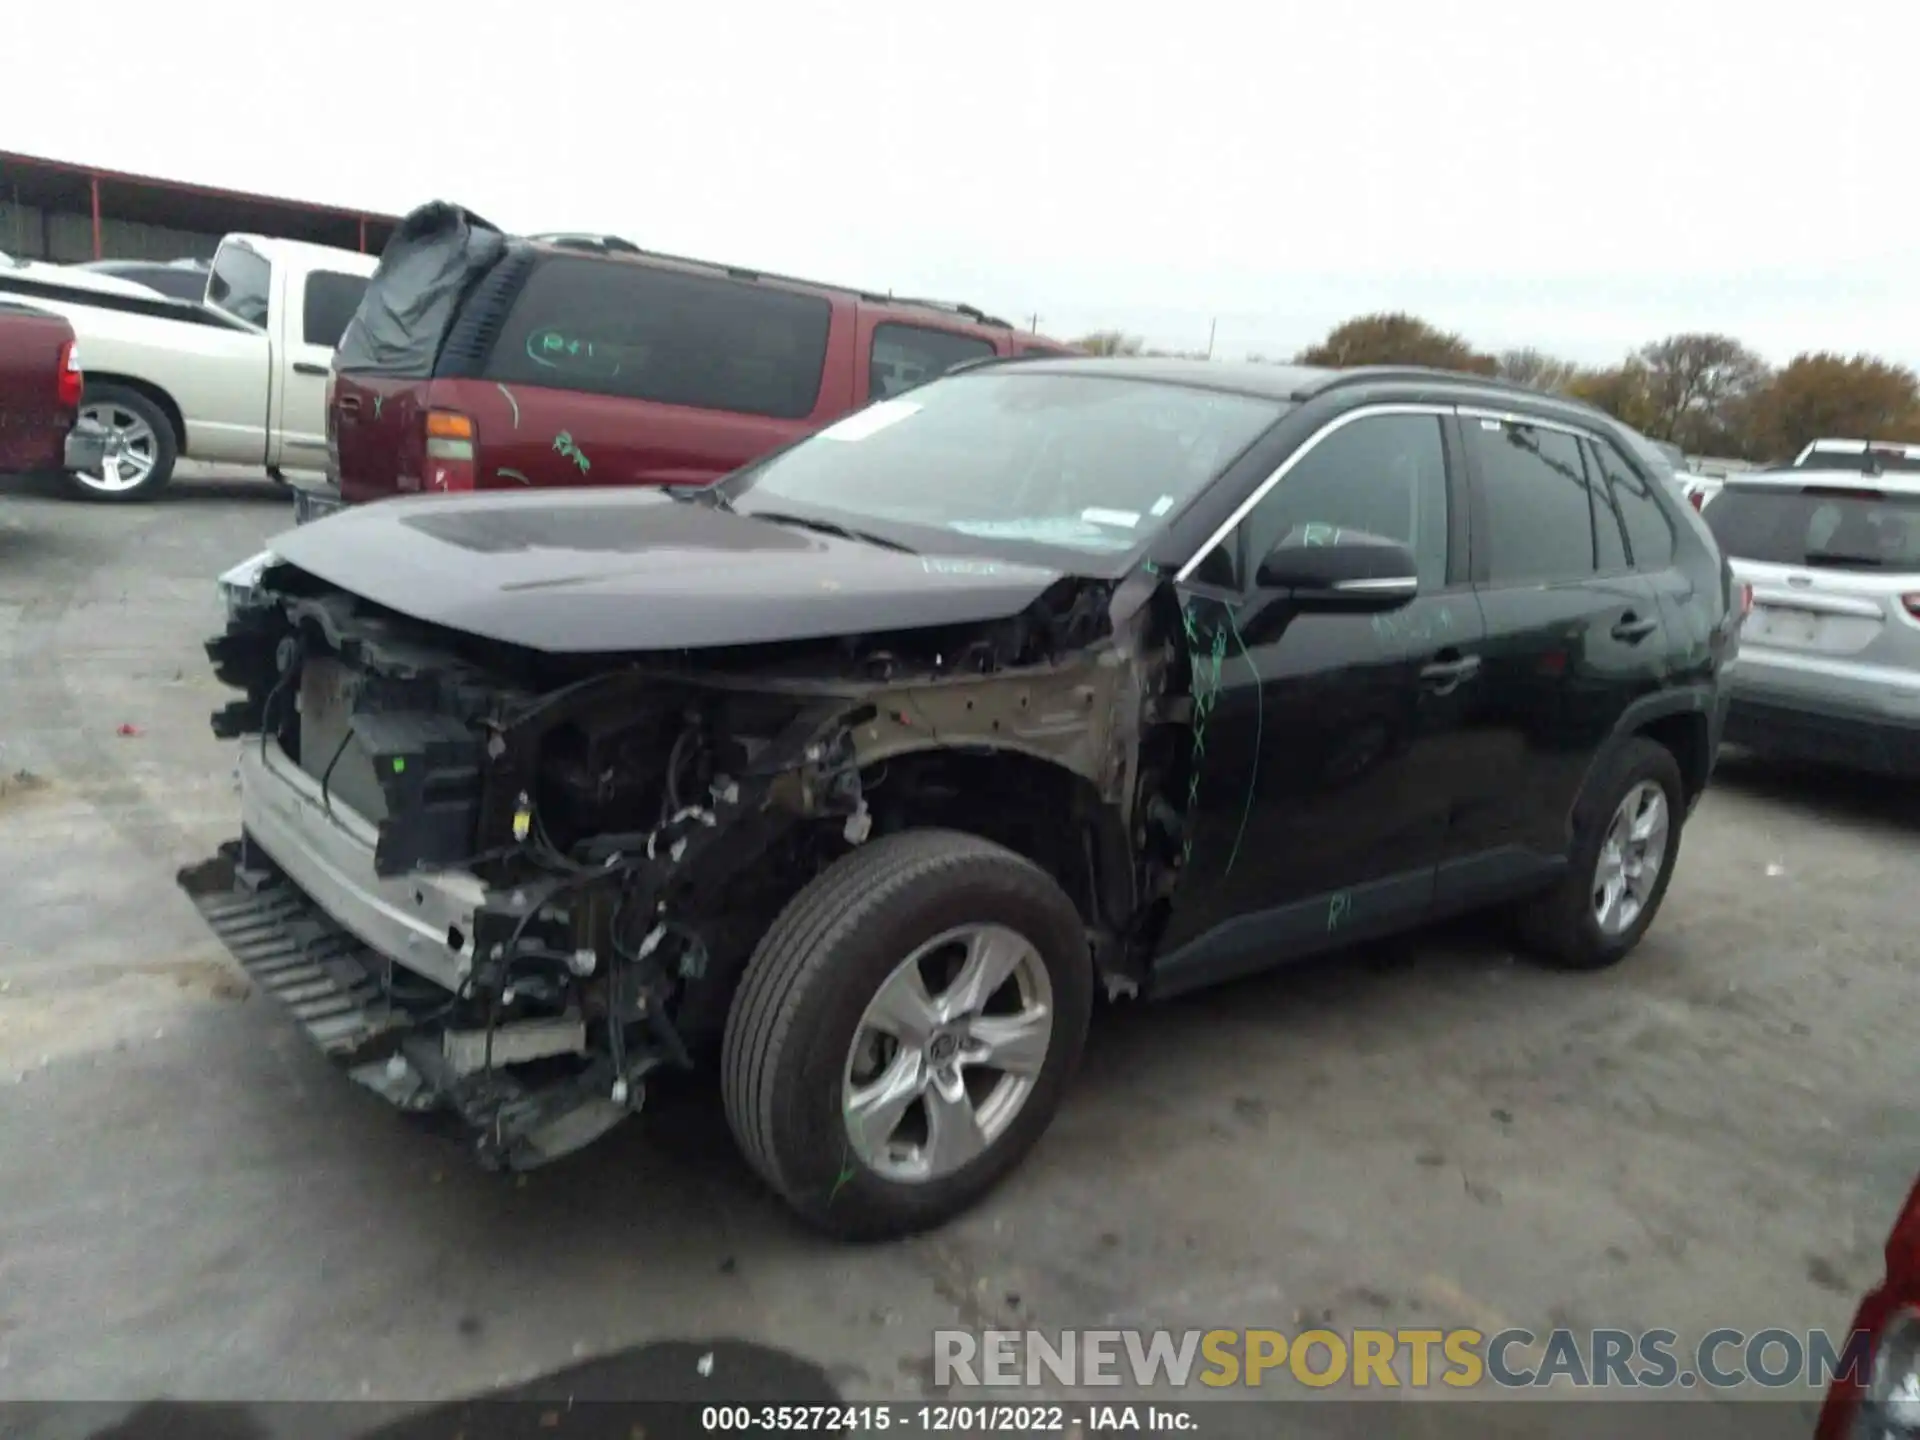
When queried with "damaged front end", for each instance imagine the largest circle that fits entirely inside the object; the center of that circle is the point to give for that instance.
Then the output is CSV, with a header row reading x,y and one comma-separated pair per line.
x,y
509,885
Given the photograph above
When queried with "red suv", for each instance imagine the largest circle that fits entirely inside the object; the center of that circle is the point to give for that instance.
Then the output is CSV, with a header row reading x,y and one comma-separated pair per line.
x,y
478,361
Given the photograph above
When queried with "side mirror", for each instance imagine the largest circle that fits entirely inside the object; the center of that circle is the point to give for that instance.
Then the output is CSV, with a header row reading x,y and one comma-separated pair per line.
x,y
1319,568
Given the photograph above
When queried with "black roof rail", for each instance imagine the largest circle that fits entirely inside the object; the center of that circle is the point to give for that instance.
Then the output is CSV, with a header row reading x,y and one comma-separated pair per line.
x,y
614,244
1362,374
605,244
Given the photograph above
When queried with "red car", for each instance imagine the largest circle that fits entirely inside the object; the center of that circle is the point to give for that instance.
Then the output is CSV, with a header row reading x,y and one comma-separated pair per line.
x,y
1884,1404
40,384
479,361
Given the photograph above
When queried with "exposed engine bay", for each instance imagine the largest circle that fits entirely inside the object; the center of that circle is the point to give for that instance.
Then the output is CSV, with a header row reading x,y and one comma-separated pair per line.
x,y
511,884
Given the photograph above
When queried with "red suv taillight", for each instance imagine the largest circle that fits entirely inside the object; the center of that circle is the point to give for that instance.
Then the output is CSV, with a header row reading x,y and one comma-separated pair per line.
x,y
1878,1374
1912,602
1697,499
72,382
450,451
1745,598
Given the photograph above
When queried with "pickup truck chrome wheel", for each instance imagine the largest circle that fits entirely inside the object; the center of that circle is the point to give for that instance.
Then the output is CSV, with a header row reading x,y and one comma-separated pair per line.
x,y
1631,855
132,449
947,1053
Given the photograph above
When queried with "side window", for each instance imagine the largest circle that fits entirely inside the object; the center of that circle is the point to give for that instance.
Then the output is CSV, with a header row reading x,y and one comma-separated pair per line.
x,y
1649,531
906,355
1609,525
645,332
1539,520
330,301
241,284
1384,474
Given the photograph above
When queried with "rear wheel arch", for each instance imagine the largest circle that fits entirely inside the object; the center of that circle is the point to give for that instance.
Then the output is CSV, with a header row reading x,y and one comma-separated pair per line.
x,y
162,401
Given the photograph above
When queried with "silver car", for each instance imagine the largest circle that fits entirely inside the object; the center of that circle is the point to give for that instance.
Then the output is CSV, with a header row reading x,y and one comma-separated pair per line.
x,y
1829,665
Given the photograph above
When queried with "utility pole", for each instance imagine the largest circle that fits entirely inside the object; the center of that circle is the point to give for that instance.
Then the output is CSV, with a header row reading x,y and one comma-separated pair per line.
x,y
1033,324
1213,327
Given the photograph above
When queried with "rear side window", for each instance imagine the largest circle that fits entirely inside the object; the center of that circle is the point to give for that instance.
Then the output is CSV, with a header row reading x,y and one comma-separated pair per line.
x,y
642,333
1842,529
1539,519
241,284
907,355
330,302
1649,531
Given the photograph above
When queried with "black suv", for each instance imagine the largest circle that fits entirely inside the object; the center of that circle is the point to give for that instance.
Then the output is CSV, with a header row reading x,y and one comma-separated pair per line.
x,y
861,772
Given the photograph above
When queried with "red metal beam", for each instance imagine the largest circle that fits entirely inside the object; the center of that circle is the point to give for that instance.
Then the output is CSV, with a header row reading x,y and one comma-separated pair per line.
x,y
363,234
94,185
212,192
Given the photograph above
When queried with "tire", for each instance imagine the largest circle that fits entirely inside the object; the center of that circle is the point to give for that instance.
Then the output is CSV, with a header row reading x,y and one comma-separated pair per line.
x,y
788,1054
1562,928
143,429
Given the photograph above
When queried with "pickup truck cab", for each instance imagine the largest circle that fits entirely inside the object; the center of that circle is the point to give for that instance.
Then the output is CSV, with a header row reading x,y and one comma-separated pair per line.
x,y
480,361
238,378
40,386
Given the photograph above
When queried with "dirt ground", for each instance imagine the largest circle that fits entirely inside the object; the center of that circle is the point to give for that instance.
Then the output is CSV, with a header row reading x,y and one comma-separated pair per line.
x,y
193,1204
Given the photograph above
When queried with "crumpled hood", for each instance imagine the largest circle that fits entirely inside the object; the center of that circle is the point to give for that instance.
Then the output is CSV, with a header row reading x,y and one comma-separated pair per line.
x,y
584,571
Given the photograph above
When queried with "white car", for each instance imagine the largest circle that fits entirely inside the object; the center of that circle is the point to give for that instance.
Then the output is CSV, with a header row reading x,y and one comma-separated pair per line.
x,y
239,378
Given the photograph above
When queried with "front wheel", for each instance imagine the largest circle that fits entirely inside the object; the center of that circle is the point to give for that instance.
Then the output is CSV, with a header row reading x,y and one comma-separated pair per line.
x,y
905,1031
141,449
1624,850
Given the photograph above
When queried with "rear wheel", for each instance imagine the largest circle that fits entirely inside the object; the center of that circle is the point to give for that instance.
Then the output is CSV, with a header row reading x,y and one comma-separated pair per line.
x,y
1625,846
905,1031
140,450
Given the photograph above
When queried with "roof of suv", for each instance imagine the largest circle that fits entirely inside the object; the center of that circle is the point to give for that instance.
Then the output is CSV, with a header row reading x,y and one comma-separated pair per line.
x,y
612,247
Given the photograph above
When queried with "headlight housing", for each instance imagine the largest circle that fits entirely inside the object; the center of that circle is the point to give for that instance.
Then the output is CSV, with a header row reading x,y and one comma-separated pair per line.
x,y
239,588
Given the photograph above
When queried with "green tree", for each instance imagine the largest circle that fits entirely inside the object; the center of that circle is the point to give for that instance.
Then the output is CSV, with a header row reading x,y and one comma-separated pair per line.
x,y
1822,394
1395,339
1700,391
1109,342
1624,391
1538,370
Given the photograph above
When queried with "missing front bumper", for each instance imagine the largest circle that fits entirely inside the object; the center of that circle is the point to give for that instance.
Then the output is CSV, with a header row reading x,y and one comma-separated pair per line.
x,y
342,995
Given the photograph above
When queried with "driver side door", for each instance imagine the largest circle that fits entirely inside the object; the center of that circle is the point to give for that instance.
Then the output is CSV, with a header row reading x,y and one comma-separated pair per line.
x,y
1319,802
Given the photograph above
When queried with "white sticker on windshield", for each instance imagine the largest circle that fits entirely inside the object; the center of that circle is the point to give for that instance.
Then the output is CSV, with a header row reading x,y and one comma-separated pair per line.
x,y
1161,506
870,421
1126,519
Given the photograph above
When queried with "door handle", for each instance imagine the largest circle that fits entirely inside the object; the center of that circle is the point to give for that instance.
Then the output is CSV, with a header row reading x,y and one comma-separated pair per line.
x,y
303,367
1443,677
1632,629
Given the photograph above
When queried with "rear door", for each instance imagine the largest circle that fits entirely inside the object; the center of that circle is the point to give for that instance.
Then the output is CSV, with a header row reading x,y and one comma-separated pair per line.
x,y
895,354
1834,562
1573,637
619,372
316,306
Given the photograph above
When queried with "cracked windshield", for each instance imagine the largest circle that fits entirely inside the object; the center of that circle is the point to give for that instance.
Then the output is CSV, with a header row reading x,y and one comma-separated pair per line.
x,y
1082,463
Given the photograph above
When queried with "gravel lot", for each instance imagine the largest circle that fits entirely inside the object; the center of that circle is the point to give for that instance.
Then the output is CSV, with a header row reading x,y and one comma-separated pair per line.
x,y
195,1205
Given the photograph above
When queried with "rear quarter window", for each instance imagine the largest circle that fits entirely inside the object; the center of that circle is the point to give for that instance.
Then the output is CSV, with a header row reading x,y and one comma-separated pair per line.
x,y
640,332
241,284
907,355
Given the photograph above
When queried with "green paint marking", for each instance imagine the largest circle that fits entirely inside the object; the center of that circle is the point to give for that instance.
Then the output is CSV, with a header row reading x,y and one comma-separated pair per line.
x,y
563,443
511,401
378,401
399,765
1259,724
1206,689
506,474
844,1178
1319,535
1339,911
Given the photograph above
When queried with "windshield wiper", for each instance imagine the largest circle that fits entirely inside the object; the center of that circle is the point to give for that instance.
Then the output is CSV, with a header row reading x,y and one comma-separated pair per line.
x,y
829,527
1835,557
699,495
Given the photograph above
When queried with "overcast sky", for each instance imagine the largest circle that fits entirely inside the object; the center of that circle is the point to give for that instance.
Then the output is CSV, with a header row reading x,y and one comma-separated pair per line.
x,y
1579,177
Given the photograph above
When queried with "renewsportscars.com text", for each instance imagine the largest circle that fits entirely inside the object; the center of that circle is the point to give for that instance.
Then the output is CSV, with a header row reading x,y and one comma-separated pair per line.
x,y
1395,1359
